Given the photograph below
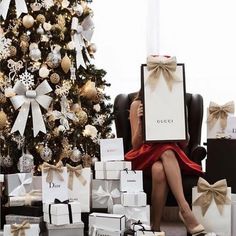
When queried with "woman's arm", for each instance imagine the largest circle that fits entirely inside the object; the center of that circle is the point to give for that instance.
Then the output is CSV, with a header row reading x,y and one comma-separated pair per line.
x,y
136,113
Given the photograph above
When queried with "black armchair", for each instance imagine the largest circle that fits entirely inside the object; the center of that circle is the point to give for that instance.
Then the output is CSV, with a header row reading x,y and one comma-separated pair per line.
x,y
194,151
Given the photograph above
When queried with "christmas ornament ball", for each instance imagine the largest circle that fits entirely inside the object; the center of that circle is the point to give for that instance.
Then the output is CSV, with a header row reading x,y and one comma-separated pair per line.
x,y
12,50
3,119
92,48
46,153
76,107
28,21
44,71
7,161
41,18
82,117
75,155
78,9
55,78
25,163
3,98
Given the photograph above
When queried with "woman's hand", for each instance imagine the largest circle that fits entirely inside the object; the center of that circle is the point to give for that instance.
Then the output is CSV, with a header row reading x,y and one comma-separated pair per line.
x,y
140,111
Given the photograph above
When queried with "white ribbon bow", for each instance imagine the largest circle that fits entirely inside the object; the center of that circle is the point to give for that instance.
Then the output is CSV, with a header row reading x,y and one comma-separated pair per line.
x,y
21,7
83,31
20,189
24,99
106,195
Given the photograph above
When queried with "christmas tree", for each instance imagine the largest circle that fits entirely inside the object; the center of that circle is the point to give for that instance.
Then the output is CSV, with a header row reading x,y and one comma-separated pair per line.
x,y
52,97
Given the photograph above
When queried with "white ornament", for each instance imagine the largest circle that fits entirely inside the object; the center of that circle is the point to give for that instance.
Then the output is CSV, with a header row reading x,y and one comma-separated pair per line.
x,y
76,155
72,74
27,79
54,57
97,107
78,9
47,4
40,30
14,67
47,26
90,131
71,45
65,3
36,6
46,153
5,44
25,163
35,53
44,71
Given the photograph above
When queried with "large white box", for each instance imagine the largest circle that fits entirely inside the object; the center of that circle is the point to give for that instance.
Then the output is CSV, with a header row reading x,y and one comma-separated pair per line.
x,y
164,116
113,165
113,222
233,214
81,189
131,181
111,149
134,199
149,233
32,231
102,232
58,214
107,174
213,221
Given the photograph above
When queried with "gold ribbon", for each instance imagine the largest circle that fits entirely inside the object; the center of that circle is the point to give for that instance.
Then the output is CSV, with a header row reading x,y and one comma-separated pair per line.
x,y
157,65
219,112
216,191
19,229
77,170
58,168
33,195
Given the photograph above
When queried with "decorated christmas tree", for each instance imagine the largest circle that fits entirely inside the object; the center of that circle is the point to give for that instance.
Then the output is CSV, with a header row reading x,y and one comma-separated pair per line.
x,y
53,104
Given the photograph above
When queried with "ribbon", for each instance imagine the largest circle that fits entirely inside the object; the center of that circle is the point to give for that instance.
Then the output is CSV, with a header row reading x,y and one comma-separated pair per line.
x,y
106,195
81,32
157,65
217,191
21,7
19,229
49,169
219,112
20,190
26,98
77,170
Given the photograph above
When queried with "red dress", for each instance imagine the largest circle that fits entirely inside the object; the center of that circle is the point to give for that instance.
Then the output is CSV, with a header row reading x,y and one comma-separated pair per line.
x,y
144,157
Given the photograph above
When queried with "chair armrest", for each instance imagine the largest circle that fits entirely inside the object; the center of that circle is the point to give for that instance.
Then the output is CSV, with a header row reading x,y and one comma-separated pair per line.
x,y
198,153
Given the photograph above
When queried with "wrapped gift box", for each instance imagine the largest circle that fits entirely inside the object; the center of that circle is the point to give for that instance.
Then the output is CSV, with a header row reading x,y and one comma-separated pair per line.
x,y
113,222
102,232
32,231
18,184
133,214
137,199
24,210
230,130
131,181
148,233
112,149
233,214
65,230
105,193
107,174
60,214
112,165
81,189
37,183
221,224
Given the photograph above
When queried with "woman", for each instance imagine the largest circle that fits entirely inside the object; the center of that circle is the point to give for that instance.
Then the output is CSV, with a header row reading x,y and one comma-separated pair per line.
x,y
164,161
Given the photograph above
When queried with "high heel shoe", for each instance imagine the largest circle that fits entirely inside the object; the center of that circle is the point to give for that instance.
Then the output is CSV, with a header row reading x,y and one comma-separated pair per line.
x,y
197,230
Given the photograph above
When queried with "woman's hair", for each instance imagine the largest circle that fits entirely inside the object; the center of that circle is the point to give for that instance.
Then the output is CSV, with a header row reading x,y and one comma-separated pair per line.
x,y
139,95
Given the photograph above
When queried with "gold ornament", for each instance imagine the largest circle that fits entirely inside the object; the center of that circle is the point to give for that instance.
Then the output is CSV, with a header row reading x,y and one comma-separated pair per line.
x,y
28,21
87,160
3,98
41,18
82,117
66,64
92,48
55,78
76,107
3,119
24,45
25,37
89,90
12,50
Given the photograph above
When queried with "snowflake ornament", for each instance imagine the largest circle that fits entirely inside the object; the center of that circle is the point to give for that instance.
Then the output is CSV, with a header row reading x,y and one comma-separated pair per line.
x,y
47,4
5,44
27,79
99,120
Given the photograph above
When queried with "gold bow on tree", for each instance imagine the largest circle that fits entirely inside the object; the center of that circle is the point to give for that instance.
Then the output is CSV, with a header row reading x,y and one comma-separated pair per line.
x,y
219,112
58,168
78,173
157,65
216,191
19,229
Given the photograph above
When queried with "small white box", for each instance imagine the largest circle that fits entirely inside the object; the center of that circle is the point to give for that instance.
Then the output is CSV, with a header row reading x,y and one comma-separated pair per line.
x,y
113,222
112,149
113,165
107,174
32,231
148,233
101,232
137,199
59,213
1,178
131,181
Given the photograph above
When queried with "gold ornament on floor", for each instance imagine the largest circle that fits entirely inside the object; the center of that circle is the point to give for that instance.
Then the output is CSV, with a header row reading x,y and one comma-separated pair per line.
x,y
66,63
55,78
3,119
28,21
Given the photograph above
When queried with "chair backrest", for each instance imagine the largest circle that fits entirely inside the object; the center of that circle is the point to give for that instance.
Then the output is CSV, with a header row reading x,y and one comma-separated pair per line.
x,y
194,104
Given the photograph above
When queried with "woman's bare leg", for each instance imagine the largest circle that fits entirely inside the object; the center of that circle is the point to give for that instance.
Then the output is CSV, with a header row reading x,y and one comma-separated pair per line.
x,y
159,193
174,179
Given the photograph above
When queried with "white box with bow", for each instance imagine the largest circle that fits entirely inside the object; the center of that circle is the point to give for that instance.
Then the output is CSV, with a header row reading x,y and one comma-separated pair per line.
x,y
131,181
107,174
54,182
112,165
79,185
105,193
217,119
134,199
18,229
212,206
149,233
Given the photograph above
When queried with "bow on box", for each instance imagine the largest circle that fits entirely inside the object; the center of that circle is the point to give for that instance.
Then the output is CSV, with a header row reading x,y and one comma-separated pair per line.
x,y
19,229
20,8
25,98
216,191
81,32
58,168
167,66
219,112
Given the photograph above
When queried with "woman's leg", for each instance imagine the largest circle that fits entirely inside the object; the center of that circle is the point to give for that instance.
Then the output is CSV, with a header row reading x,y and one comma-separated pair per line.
x,y
174,179
159,193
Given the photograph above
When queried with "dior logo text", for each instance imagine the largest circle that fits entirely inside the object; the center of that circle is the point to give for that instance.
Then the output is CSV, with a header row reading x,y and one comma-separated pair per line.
x,y
165,121
52,185
131,180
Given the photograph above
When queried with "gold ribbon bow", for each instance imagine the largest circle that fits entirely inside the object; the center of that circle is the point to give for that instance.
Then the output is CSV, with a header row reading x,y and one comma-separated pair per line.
x,y
216,111
157,65
216,191
58,168
19,229
33,195
78,173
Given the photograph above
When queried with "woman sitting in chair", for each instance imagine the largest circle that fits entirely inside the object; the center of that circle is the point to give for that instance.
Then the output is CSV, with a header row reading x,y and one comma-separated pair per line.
x,y
164,161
